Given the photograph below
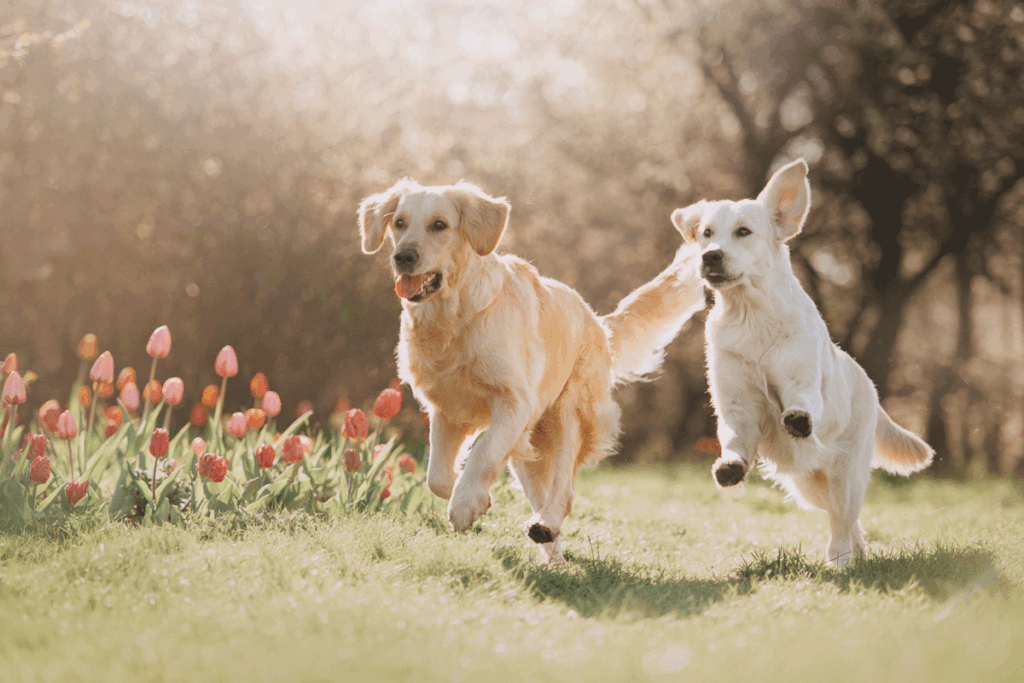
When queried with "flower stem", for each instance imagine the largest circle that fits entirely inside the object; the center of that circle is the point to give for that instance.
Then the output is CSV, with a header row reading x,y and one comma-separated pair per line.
x,y
153,481
216,415
71,459
152,376
92,414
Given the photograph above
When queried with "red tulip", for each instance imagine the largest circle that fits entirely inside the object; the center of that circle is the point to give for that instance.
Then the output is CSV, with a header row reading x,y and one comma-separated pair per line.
x,y
265,455
87,348
111,428
210,395
303,408
38,447
130,396
271,403
198,415
355,425
159,344
255,418
258,385
352,461
66,427
237,426
76,490
39,471
10,364
407,463
388,404
103,369
199,446
213,467
174,390
389,475
14,390
226,364
159,442
291,451
48,414
154,391
126,375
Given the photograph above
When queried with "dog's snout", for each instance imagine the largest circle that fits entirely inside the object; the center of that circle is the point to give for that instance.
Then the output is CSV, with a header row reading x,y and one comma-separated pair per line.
x,y
713,258
406,259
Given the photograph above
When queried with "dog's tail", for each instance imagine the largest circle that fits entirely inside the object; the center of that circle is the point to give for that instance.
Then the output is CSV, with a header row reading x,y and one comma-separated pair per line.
x,y
651,316
897,450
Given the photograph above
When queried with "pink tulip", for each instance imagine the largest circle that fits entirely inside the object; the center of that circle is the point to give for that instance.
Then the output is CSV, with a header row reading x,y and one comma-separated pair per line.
x,y
66,427
199,446
103,369
237,425
159,344
271,403
226,364
174,390
14,390
130,396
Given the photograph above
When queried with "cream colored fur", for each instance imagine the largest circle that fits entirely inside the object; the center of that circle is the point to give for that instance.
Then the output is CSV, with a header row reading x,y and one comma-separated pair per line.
x,y
781,389
500,348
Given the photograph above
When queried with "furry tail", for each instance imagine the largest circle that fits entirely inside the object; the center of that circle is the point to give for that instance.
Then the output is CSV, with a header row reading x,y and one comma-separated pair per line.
x,y
897,450
651,316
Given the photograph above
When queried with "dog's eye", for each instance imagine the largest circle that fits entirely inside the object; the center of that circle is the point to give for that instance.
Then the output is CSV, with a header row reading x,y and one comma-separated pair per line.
x,y
742,231
438,226
707,232
399,224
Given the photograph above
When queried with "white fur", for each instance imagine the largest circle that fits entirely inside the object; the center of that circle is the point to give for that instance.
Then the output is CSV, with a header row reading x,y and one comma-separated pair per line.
x,y
770,357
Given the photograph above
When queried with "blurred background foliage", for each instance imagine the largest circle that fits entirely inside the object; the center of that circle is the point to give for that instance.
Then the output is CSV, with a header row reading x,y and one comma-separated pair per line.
x,y
198,164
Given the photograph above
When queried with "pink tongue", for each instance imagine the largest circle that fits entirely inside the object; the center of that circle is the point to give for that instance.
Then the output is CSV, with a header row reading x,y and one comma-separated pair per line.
x,y
408,286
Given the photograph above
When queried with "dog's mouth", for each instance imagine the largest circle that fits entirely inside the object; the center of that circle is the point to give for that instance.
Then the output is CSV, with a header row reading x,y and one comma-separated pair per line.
x,y
416,288
715,277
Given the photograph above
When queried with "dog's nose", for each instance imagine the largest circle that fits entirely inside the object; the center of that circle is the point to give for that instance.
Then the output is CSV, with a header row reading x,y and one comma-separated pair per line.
x,y
405,259
713,258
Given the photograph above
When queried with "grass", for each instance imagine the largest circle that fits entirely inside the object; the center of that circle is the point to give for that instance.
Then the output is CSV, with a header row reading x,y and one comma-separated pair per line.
x,y
666,578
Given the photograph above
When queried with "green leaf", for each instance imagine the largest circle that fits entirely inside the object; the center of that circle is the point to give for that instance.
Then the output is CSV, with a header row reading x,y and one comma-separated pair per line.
x,y
161,491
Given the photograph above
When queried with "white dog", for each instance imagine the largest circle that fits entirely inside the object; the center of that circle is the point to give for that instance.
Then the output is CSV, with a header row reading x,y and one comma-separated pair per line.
x,y
781,389
487,343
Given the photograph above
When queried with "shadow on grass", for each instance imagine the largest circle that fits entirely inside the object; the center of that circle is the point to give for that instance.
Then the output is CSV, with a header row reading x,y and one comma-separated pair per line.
x,y
609,588
941,570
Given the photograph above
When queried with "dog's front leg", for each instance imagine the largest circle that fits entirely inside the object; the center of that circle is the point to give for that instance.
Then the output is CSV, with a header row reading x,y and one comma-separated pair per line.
x,y
799,389
445,441
471,497
737,403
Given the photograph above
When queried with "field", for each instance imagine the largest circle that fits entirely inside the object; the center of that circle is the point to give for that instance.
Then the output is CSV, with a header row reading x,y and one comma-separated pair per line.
x,y
666,578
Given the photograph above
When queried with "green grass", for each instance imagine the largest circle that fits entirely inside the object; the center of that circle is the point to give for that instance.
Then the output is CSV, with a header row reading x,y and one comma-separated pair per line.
x,y
666,579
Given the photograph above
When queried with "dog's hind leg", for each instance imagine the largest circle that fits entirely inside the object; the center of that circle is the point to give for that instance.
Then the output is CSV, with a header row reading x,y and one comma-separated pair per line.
x,y
557,448
845,498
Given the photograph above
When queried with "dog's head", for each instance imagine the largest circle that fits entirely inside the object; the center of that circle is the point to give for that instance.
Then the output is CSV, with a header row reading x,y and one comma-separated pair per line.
x,y
743,240
435,232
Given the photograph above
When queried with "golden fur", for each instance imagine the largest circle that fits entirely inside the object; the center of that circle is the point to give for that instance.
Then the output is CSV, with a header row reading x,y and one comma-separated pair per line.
x,y
497,347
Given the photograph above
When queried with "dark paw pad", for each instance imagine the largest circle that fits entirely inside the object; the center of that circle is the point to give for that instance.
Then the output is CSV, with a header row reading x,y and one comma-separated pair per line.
x,y
539,533
729,473
798,423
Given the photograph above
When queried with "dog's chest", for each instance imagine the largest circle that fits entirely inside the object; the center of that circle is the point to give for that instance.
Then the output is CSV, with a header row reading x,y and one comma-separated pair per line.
x,y
444,373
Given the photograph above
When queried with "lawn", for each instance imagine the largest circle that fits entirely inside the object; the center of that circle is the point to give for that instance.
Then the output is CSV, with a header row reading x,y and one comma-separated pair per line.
x,y
666,578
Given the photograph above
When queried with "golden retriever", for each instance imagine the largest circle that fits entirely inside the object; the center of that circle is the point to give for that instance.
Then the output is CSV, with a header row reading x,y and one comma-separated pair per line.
x,y
782,390
488,344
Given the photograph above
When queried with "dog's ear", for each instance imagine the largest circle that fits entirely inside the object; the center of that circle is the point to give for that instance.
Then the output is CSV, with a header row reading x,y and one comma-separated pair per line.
x,y
376,213
788,197
482,218
686,220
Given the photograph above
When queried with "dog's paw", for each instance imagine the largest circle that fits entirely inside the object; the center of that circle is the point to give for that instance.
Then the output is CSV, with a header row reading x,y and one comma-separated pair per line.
x,y
464,510
539,533
797,423
728,472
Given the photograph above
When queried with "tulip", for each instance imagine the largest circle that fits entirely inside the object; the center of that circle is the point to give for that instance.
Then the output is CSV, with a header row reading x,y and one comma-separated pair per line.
x,y
39,471
114,414
265,455
159,345
198,415
199,446
258,385
111,428
174,390
159,442
342,405
103,368
355,425
76,490
210,396
66,427
387,404
126,375
271,403
389,476
291,451
407,463
105,390
48,414
226,364
237,425
352,461
130,397
153,391
10,364
213,467
14,390
303,408
87,348
38,447
255,418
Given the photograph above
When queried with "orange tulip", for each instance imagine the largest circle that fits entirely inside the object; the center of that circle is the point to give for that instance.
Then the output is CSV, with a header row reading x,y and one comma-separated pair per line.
x,y
84,396
87,348
198,415
10,364
255,418
258,385
154,391
210,395
388,404
105,389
